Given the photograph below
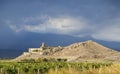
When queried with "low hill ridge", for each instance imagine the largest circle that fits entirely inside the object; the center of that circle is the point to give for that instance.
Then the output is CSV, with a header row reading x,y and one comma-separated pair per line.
x,y
88,50
79,51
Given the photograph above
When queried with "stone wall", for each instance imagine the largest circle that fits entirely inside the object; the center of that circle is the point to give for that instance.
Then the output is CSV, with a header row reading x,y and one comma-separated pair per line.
x,y
35,49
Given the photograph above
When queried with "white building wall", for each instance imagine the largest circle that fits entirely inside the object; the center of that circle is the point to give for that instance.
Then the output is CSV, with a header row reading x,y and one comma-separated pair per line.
x,y
33,49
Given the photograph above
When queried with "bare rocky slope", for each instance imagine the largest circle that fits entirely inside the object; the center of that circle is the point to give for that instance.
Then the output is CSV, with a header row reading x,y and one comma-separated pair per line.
x,y
82,51
88,50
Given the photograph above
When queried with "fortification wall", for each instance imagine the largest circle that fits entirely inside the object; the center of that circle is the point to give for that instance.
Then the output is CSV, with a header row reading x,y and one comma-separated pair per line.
x,y
35,49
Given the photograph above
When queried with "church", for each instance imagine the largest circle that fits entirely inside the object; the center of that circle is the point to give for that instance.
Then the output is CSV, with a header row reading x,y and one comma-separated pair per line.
x,y
37,50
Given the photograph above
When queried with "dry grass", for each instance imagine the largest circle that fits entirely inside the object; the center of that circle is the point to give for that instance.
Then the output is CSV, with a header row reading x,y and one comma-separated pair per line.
x,y
113,69
63,71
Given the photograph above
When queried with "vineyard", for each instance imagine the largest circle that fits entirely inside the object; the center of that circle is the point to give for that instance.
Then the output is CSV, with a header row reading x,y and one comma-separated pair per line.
x,y
45,67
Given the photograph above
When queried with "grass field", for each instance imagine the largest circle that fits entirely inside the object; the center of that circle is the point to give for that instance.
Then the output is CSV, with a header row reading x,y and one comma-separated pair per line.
x,y
59,68
113,69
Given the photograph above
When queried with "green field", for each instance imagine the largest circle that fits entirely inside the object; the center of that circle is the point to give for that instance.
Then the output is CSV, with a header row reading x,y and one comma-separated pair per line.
x,y
53,67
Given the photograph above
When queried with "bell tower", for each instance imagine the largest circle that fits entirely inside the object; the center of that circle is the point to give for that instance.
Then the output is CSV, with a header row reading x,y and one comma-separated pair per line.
x,y
43,45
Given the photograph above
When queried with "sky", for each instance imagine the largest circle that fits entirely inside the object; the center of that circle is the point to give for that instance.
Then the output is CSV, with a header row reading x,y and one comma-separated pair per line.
x,y
27,23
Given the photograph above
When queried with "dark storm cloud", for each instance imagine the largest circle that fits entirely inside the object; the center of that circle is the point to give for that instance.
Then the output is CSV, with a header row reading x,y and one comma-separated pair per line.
x,y
74,17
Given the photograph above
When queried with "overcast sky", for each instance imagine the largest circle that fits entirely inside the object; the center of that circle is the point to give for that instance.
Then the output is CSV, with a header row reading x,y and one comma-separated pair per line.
x,y
99,19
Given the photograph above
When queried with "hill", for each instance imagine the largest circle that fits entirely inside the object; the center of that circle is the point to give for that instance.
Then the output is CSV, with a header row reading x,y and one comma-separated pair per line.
x,y
82,51
88,50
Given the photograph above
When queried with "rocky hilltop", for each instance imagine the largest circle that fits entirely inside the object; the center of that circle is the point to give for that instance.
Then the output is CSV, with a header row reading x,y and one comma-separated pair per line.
x,y
82,51
88,50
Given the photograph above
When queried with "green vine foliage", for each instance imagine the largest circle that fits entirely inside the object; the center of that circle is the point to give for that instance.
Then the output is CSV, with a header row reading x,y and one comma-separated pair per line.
x,y
44,66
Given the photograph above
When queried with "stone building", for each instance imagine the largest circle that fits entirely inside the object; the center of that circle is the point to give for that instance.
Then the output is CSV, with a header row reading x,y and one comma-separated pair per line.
x,y
37,50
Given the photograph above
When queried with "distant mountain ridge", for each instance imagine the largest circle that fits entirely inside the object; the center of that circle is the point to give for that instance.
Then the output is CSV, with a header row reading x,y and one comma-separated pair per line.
x,y
81,51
